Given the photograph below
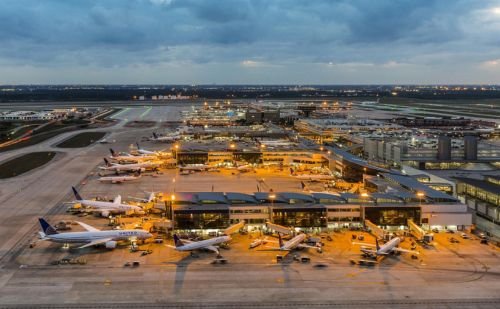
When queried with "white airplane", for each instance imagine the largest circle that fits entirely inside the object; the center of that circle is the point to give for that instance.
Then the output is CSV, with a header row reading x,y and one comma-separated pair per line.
x,y
313,177
166,139
148,199
245,168
106,208
143,151
194,167
134,167
208,244
295,243
389,247
257,242
130,158
120,179
92,236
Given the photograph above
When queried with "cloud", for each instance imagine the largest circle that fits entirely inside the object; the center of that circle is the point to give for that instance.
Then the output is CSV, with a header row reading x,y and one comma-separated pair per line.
x,y
282,40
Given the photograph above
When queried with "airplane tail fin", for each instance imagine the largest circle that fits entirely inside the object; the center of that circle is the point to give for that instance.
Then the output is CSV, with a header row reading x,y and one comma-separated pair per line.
x,y
113,153
151,197
177,241
138,147
377,245
280,240
78,197
47,229
107,162
154,135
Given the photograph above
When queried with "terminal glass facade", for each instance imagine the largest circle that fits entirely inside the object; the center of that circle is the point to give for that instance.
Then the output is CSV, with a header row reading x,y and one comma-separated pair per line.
x,y
392,216
201,219
300,217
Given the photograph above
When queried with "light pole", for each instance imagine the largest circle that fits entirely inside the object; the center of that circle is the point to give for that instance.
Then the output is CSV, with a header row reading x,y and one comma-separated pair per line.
x,y
172,200
272,196
420,196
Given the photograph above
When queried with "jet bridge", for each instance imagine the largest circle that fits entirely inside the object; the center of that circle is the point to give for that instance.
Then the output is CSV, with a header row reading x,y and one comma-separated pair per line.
x,y
279,228
417,232
234,228
378,232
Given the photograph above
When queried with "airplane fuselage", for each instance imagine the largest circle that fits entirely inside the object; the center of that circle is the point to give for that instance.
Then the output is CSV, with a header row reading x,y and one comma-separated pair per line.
x,y
388,246
86,237
117,207
203,244
294,242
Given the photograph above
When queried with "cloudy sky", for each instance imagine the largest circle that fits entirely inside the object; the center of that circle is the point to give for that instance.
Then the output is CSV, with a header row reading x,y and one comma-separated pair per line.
x,y
250,41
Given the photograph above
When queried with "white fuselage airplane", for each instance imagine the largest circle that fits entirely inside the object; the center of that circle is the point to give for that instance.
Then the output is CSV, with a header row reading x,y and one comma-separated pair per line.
x,y
166,139
209,244
130,158
296,242
106,208
389,247
194,167
315,177
119,179
134,167
92,236
144,151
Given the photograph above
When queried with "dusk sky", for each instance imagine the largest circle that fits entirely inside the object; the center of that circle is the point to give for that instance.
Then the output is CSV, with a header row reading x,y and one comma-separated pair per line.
x,y
250,42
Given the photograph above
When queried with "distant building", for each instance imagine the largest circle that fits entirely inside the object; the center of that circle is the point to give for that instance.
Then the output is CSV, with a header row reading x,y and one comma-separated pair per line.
x,y
28,115
256,116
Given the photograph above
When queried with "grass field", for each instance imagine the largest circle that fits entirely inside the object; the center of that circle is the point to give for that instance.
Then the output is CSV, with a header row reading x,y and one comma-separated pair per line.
x,y
81,140
24,163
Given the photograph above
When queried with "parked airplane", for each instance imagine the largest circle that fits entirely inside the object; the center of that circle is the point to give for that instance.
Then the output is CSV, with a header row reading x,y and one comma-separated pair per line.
x,y
194,167
129,158
107,208
147,199
296,242
135,167
144,151
314,177
92,236
389,247
257,242
166,139
208,244
120,179
245,168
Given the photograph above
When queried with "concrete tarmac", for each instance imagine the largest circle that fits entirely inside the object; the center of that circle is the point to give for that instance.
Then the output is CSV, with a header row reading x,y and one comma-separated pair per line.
x,y
465,275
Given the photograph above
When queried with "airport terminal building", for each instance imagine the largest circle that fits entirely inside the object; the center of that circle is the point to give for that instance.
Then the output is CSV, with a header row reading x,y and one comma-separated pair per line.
x,y
316,211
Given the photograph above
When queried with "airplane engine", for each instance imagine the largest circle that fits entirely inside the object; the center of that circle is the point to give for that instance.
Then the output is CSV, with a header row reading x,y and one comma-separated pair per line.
x,y
110,244
140,212
105,214
142,169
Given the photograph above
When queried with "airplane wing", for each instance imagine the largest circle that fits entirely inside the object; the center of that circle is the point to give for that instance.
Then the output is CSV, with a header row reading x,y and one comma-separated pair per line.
x,y
307,246
273,249
88,227
96,242
363,244
370,251
212,248
404,250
